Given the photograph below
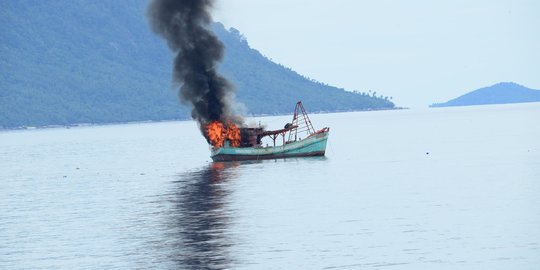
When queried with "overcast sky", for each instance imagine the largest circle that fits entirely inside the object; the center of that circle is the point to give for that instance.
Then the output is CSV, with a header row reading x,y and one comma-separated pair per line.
x,y
418,52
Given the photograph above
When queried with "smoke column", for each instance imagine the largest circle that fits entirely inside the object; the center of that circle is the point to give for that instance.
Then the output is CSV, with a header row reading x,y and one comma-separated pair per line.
x,y
185,24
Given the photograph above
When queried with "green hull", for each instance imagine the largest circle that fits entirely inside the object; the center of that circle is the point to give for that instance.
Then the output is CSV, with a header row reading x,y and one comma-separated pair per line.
x,y
314,145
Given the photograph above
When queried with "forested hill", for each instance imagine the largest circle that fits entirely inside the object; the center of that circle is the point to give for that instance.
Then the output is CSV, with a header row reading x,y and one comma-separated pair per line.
x,y
501,93
96,61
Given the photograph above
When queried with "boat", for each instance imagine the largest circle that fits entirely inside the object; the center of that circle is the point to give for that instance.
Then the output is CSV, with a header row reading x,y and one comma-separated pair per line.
x,y
293,145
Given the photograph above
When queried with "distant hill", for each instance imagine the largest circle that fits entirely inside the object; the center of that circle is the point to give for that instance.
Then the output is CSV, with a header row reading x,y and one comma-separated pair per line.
x,y
96,61
501,93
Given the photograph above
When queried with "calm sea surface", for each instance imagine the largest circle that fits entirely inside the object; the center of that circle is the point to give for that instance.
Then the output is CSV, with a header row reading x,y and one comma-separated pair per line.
x,y
449,188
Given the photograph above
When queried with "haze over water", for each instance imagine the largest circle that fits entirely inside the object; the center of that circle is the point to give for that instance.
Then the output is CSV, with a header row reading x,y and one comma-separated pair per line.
x,y
448,188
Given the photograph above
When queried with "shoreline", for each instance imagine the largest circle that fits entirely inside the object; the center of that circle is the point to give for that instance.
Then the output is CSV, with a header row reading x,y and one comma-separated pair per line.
x,y
77,125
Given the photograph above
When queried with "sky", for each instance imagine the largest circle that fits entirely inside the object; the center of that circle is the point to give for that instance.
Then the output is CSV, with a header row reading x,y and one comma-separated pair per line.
x,y
416,51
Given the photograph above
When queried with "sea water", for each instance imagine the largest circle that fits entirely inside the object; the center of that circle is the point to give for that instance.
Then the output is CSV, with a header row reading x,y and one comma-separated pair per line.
x,y
445,188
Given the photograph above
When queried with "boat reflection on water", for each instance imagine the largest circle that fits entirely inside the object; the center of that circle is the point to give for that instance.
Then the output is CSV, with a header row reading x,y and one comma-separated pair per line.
x,y
200,217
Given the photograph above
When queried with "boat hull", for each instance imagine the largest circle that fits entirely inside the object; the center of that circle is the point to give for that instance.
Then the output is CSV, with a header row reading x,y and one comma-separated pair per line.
x,y
314,145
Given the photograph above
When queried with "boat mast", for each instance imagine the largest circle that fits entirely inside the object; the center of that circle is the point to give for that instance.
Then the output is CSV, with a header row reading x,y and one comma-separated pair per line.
x,y
301,120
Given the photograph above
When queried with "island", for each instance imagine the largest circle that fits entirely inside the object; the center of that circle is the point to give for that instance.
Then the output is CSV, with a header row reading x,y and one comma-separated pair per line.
x,y
501,93
97,62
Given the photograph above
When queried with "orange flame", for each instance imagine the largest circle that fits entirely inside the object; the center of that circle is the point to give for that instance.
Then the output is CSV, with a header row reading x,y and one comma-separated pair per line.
x,y
214,133
233,135
217,133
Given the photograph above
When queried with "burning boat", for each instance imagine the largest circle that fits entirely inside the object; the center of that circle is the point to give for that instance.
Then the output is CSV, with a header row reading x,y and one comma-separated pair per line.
x,y
231,143
185,25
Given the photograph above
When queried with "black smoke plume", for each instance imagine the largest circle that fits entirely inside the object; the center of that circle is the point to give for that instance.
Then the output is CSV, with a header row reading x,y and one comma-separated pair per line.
x,y
185,25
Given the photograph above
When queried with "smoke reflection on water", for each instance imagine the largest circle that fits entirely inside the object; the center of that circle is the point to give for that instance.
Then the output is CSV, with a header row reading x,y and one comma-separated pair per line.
x,y
199,219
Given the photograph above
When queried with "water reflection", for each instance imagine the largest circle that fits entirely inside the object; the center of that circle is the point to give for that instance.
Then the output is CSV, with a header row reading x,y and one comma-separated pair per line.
x,y
200,218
